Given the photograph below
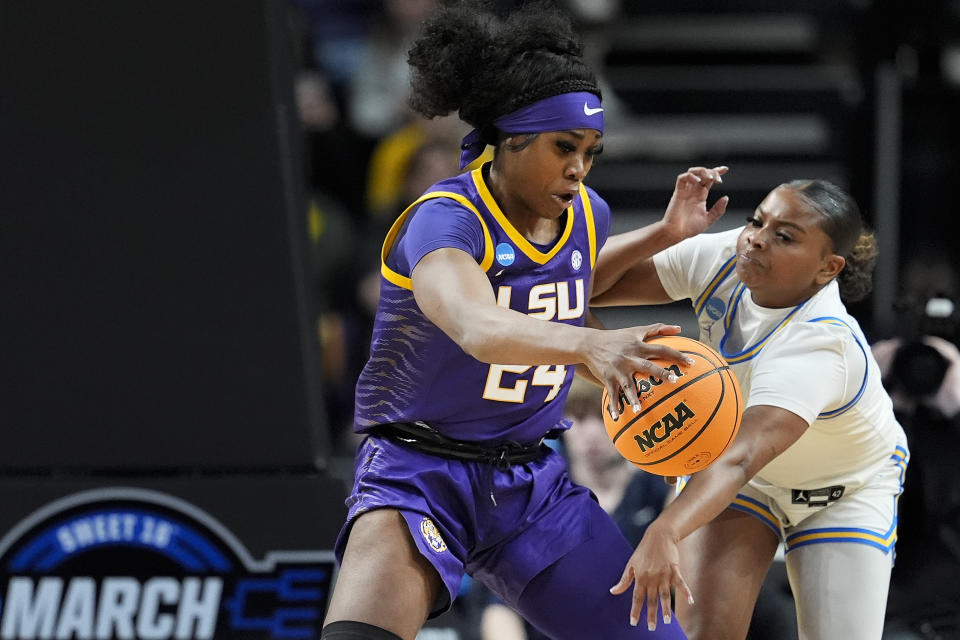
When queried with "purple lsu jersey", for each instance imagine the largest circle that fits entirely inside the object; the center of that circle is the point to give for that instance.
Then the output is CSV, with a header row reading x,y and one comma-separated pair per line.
x,y
416,372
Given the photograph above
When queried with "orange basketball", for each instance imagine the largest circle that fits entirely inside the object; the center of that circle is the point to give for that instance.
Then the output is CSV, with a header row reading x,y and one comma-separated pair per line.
x,y
681,427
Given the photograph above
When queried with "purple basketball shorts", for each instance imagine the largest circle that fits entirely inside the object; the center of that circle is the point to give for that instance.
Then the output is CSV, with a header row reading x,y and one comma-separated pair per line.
x,y
505,526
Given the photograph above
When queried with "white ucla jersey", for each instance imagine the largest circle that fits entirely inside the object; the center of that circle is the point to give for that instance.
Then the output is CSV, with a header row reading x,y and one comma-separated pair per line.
x,y
812,360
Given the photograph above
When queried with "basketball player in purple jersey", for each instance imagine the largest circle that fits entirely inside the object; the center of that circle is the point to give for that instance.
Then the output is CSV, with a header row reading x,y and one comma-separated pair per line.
x,y
483,315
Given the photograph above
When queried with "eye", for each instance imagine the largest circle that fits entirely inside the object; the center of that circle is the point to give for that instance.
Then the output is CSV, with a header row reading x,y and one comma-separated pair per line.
x,y
596,151
566,147
754,221
784,236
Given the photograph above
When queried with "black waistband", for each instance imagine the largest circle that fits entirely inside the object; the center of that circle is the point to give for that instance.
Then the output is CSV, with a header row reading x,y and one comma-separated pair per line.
x,y
422,437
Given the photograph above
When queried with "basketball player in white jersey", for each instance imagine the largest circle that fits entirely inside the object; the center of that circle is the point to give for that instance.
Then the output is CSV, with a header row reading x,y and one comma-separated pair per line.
x,y
819,461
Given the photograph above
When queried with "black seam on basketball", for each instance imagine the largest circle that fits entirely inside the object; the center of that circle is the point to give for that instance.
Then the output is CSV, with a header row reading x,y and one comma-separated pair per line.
x,y
723,389
663,399
707,423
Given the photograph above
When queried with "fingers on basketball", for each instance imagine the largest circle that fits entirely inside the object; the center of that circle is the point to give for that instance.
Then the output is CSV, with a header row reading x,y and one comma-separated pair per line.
x,y
681,427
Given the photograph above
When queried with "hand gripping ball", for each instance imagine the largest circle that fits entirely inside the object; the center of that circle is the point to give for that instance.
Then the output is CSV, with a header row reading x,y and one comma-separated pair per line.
x,y
684,426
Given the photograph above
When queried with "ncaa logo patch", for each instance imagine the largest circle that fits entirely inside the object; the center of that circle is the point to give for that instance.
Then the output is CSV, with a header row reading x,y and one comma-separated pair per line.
x,y
432,535
715,308
505,254
576,259
132,563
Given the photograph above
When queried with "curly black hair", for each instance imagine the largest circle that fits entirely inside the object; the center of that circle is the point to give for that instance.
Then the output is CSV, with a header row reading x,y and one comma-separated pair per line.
x,y
471,60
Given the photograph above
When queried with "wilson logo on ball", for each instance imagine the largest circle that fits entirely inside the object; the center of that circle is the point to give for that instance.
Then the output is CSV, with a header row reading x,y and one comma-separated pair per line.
x,y
683,426
645,385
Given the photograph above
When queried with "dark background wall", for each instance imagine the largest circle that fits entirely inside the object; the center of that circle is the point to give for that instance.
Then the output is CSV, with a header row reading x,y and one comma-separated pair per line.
x,y
155,311
158,360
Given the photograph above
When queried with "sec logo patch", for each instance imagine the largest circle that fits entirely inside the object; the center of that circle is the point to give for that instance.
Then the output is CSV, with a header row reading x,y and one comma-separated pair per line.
x,y
576,260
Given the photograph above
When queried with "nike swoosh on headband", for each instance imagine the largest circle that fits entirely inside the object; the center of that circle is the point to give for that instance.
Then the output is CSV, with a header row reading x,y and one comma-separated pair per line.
x,y
561,112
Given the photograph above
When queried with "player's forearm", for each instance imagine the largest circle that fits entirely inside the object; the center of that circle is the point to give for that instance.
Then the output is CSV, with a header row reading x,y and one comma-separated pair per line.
x,y
501,336
624,250
706,495
765,432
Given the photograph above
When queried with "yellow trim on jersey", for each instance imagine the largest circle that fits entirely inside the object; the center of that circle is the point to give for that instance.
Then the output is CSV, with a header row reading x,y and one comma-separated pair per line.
x,y
762,512
522,243
900,458
750,351
404,281
720,276
840,535
746,504
883,541
591,230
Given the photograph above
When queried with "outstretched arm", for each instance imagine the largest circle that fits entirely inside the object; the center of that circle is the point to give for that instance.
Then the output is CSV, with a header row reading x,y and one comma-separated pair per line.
x,y
765,432
621,274
455,294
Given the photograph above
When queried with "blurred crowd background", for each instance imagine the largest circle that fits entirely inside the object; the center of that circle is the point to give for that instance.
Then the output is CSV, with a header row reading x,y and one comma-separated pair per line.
x,y
865,93
862,93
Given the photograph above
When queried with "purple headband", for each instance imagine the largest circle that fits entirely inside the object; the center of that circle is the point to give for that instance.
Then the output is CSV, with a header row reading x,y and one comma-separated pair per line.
x,y
579,110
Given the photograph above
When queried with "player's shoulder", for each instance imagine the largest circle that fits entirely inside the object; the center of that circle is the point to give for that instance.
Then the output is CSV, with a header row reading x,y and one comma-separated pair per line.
x,y
455,194
720,238
837,333
707,253
826,313
461,185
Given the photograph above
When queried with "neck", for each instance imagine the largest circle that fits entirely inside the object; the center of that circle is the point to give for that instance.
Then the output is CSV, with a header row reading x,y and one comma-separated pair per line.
x,y
525,220
777,301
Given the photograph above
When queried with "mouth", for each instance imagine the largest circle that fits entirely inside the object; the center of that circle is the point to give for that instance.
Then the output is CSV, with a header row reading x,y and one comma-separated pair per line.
x,y
746,257
565,198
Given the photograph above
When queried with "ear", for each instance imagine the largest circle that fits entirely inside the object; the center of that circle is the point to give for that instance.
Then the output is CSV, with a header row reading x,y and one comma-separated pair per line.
x,y
830,268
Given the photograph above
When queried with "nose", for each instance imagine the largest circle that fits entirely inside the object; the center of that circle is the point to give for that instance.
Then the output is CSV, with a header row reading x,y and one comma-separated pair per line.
x,y
756,238
577,168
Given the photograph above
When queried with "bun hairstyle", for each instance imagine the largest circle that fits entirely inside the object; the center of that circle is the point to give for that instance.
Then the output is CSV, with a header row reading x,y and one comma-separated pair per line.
x,y
471,60
842,222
